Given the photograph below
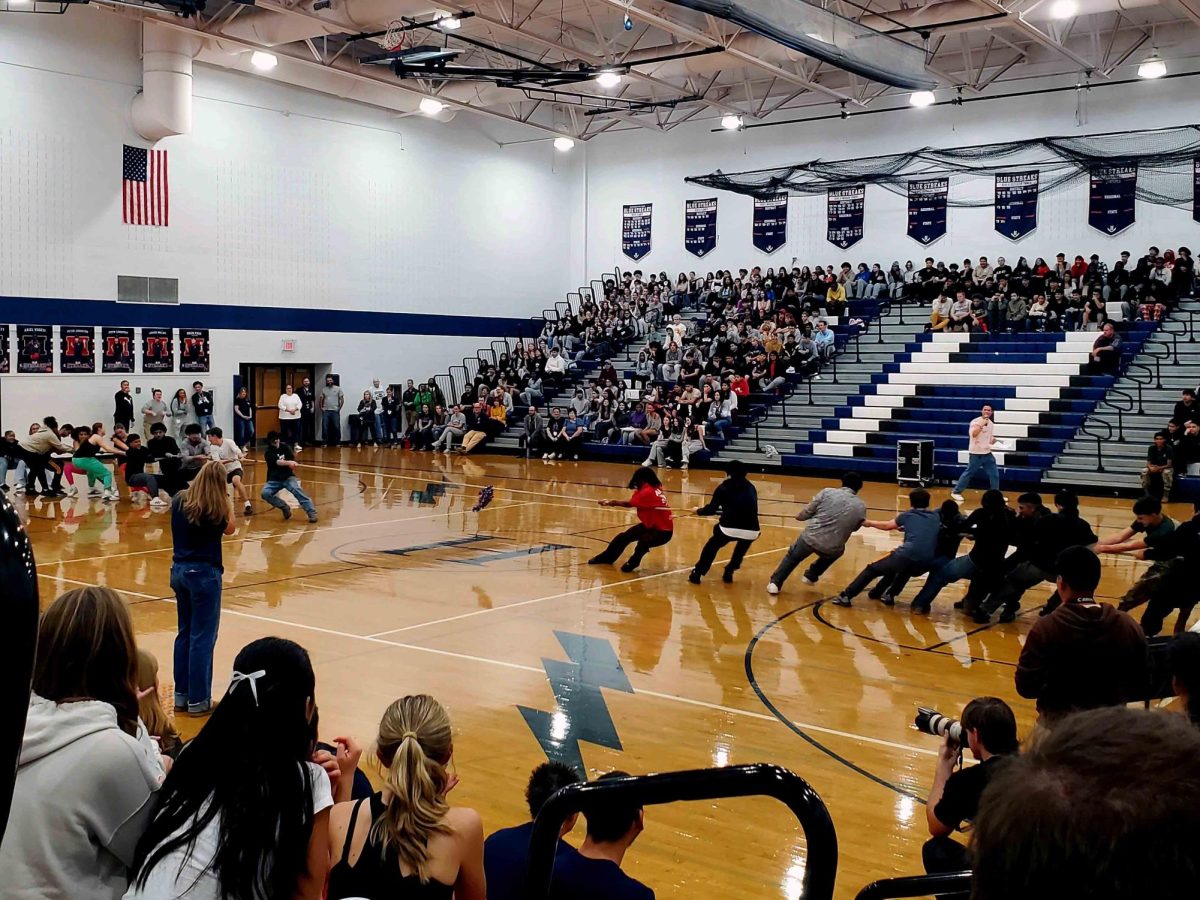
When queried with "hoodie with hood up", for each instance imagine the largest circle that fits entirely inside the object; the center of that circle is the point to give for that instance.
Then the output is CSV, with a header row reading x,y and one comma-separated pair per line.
x,y
84,795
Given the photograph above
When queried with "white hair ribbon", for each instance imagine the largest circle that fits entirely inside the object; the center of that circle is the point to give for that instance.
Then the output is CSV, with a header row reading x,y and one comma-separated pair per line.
x,y
239,677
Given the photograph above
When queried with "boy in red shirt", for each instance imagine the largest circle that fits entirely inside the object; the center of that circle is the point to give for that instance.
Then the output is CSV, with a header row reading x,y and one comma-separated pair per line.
x,y
655,525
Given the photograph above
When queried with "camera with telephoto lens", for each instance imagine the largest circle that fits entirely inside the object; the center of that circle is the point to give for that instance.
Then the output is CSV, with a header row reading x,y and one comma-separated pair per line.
x,y
932,722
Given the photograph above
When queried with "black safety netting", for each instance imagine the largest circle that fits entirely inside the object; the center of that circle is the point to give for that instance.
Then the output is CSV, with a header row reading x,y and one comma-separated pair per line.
x,y
1165,160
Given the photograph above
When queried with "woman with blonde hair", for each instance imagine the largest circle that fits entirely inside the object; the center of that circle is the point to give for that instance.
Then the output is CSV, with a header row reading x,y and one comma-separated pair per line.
x,y
150,707
409,844
88,770
199,517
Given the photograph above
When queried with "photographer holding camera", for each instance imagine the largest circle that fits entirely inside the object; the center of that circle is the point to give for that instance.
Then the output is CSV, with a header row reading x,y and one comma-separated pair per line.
x,y
989,728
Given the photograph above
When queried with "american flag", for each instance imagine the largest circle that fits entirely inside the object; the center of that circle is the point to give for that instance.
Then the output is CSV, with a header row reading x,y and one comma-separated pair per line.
x,y
144,186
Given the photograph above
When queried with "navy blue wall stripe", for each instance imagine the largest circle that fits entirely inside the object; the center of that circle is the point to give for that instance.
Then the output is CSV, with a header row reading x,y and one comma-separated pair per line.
x,y
49,311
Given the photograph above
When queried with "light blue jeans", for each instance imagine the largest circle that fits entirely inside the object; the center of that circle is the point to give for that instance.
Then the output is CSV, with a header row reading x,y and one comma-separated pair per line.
x,y
980,463
197,588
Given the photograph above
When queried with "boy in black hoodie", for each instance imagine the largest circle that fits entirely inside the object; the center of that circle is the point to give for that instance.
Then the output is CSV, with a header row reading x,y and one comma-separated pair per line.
x,y
737,501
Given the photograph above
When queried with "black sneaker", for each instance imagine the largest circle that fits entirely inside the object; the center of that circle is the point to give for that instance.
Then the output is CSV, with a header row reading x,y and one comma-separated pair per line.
x,y
1008,615
598,561
887,600
920,609
287,513
840,600
982,617
694,578
312,517
629,567
727,577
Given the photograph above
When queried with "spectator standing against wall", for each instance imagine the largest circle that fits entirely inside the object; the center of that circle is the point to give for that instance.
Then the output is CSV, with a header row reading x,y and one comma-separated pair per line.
x,y
308,412
202,405
329,403
291,407
154,411
123,407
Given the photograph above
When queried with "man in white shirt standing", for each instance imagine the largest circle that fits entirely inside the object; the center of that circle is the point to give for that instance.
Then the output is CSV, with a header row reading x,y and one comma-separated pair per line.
x,y
229,454
982,436
291,406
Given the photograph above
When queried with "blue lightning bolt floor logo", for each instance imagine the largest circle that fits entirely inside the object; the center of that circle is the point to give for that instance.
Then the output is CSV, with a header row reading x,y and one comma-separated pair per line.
x,y
582,714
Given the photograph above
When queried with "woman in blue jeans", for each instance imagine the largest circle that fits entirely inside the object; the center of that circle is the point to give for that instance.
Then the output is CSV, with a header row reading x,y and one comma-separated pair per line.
x,y
199,517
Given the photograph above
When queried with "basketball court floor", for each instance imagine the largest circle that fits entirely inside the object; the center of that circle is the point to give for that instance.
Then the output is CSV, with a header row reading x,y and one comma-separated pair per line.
x,y
401,588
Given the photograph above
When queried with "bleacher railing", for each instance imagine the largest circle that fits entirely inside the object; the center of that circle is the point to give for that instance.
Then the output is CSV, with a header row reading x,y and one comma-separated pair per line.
x,y
952,883
759,780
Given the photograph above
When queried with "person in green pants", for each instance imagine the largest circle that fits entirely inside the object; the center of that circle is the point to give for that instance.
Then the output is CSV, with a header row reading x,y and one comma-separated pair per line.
x,y
87,445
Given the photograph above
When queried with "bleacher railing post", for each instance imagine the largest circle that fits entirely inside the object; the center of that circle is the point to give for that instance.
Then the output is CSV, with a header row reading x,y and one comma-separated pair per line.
x,y
835,358
1120,424
783,399
810,396
1141,409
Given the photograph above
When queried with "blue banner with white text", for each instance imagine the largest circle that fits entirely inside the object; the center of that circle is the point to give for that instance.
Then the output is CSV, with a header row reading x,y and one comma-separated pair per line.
x,y
770,222
844,209
927,209
635,229
1016,203
1111,199
700,226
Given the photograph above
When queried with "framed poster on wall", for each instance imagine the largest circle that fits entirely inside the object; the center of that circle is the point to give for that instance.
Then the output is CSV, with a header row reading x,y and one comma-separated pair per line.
x,y
193,349
34,354
158,350
4,363
117,344
77,348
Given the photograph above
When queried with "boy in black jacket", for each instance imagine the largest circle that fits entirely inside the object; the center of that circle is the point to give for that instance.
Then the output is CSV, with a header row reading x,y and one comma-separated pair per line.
x,y
737,501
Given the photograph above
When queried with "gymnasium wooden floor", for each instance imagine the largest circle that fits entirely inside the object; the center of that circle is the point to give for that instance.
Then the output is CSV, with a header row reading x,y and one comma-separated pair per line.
x,y
400,588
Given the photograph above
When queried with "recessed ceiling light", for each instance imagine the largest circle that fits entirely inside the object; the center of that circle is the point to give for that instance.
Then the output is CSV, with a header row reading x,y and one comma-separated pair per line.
x,y
263,61
431,107
733,123
1064,9
447,22
563,144
608,79
922,98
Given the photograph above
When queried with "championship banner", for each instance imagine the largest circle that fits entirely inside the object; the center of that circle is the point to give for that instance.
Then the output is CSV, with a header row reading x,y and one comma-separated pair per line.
x,y
1016,203
927,209
77,349
116,345
33,349
770,223
1111,200
844,215
635,230
193,349
5,366
158,350
700,226
1196,189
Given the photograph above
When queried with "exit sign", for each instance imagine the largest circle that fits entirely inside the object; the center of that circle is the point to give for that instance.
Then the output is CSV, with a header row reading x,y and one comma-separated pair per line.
x,y
288,345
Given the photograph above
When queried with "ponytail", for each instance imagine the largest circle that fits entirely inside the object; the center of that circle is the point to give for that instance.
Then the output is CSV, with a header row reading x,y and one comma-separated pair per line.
x,y
414,745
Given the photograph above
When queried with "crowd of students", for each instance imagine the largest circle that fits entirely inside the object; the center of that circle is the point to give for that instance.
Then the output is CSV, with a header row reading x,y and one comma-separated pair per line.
x,y
109,802
1175,451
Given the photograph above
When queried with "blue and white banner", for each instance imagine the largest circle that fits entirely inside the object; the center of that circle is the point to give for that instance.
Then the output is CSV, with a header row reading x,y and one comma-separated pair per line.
x,y
700,226
1196,189
1111,201
635,229
1016,203
770,222
927,209
844,215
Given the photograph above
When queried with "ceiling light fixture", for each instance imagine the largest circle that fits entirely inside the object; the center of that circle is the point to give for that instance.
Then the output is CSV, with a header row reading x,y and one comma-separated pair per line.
x,y
263,61
732,123
1064,9
563,144
431,107
608,79
448,22
1153,66
921,99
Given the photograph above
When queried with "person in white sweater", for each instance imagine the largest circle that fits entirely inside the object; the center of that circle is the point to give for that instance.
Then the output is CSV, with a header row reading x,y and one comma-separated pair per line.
x,y
88,770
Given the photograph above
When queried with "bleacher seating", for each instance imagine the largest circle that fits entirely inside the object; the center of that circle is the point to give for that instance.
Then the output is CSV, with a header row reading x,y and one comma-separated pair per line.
x,y
1037,383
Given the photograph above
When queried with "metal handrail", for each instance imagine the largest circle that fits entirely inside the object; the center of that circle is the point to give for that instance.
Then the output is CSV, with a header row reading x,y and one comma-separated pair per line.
x,y
1149,379
1121,410
1174,349
1100,438
820,868
917,886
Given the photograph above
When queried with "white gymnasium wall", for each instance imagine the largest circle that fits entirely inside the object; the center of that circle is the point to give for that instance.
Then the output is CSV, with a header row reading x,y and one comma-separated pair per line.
x,y
646,167
279,198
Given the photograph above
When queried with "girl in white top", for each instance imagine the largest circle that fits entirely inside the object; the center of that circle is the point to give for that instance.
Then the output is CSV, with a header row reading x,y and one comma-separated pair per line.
x,y
244,814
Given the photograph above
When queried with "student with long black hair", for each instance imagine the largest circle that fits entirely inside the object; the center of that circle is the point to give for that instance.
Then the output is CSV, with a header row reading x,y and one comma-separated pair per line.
x,y
244,813
655,525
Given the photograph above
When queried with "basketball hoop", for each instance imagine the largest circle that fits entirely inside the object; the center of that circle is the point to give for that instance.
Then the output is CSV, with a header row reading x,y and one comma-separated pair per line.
x,y
394,38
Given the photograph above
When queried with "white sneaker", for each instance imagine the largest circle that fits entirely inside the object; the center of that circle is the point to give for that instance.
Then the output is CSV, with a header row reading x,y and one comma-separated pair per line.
x,y
72,491
159,503
95,492
772,588
247,508
647,464
19,489
545,456
956,497
684,466
109,497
